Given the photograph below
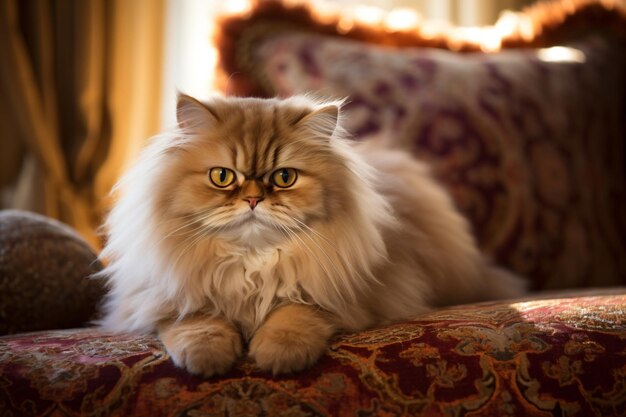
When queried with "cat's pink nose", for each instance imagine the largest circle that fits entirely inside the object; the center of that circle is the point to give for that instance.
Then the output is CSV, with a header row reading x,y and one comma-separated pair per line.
x,y
253,201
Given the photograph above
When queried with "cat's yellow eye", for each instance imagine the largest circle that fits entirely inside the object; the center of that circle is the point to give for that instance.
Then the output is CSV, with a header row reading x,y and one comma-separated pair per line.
x,y
284,177
221,177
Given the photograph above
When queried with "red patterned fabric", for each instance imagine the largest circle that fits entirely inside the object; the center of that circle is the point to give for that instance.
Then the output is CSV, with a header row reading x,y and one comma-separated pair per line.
x,y
563,357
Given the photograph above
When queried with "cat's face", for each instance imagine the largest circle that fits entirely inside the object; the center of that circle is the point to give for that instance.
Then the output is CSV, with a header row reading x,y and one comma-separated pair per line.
x,y
253,171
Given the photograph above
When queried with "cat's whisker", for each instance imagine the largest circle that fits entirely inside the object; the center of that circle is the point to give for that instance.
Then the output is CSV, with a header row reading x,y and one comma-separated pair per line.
x,y
187,242
281,231
299,227
308,249
339,260
216,226
332,279
315,232
195,232
287,233
184,225
193,214
192,241
202,230
198,233
333,263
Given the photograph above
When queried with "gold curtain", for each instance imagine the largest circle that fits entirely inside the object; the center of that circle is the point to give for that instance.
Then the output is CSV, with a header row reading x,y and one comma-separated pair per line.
x,y
79,93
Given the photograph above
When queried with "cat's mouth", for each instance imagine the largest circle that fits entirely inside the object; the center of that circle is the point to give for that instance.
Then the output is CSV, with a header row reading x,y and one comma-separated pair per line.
x,y
252,218
254,229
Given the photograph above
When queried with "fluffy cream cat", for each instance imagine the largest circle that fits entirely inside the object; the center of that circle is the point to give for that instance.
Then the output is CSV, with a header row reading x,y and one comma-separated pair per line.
x,y
258,223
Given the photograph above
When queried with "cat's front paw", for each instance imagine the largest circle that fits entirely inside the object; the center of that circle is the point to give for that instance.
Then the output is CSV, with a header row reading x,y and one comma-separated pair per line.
x,y
285,351
291,340
202,346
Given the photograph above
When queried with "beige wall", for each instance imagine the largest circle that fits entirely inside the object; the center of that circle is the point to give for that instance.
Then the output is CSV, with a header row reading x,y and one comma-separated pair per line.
x,y
458,12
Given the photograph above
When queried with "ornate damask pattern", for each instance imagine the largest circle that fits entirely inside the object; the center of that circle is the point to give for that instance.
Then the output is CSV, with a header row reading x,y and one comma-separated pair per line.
x,y
532,151
563,357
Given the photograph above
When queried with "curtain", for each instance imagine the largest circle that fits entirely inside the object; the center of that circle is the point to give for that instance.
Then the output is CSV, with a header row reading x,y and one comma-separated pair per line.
x,y
79,92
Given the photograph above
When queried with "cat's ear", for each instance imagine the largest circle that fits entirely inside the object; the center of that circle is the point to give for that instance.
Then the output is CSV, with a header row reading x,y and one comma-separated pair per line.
x,y
322,121
194,116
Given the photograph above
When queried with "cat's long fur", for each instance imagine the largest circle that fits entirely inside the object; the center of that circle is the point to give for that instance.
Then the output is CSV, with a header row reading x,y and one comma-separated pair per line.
x,y
365,236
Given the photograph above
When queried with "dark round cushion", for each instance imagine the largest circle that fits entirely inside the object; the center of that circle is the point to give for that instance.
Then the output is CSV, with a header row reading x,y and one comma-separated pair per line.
x,y
44,274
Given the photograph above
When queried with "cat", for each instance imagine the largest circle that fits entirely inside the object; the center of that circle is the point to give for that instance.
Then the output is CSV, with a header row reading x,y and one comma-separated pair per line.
x,y
257,222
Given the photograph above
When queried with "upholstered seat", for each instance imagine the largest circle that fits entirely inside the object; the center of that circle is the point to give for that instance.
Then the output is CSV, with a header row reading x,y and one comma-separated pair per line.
x,y
553,356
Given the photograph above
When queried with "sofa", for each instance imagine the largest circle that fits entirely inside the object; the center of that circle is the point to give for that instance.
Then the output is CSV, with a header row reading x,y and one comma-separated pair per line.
x,y
527,134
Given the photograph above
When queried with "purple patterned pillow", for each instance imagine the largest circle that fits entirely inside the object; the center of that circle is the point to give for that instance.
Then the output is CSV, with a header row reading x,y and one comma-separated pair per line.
x,y
532,150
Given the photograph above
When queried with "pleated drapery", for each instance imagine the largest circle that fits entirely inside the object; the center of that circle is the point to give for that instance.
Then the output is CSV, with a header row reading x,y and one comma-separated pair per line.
x,y
79,93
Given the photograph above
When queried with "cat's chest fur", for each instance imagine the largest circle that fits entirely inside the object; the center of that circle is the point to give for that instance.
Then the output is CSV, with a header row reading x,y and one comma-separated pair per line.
x,y
246,285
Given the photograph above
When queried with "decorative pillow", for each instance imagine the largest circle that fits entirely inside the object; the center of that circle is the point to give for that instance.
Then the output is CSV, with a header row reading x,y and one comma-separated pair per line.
x,y
44,266
532,150
535,358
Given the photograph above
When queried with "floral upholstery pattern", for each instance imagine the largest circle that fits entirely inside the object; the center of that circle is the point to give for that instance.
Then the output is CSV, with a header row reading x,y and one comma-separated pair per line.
x,y
546,357
531,150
